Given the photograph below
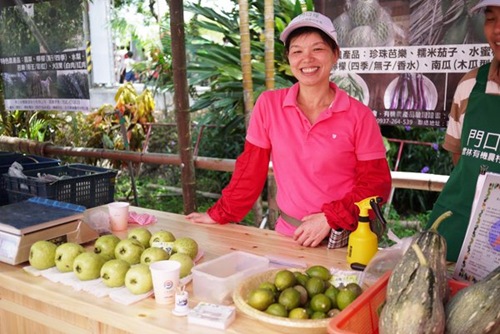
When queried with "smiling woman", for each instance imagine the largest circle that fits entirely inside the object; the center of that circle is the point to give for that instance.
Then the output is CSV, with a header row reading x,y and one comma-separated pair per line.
x,y
341,159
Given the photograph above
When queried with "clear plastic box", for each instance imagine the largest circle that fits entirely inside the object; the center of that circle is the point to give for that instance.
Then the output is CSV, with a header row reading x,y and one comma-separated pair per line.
x,y
215,280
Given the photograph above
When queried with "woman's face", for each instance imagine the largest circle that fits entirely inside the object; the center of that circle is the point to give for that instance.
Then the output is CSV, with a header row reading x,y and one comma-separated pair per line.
x,y
492,29
311,59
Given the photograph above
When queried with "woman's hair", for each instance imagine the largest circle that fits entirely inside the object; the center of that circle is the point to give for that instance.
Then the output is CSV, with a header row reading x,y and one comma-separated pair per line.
x,y
308,30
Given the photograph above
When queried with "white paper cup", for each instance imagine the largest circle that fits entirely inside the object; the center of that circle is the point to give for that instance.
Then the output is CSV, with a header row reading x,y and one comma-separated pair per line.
x,y
118,215
165,280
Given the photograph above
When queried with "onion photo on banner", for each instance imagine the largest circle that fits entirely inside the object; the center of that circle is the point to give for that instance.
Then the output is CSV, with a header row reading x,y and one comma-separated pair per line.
x,y
404,59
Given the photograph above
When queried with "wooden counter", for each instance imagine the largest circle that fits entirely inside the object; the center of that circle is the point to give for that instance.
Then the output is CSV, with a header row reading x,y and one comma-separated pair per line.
x,y
30,304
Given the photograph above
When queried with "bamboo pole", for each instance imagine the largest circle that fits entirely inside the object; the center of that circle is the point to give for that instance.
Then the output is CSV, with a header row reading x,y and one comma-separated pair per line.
x,y
13,144
402,180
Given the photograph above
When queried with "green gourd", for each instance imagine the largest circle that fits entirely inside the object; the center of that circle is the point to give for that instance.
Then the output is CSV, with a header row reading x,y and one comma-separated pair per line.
x,y
433,246
476,308
418,308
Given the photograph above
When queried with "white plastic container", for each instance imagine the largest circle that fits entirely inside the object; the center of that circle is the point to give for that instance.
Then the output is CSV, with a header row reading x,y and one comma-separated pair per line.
x,y
215,280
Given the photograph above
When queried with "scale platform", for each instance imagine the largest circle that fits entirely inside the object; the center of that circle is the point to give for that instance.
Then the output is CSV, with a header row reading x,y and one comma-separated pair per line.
x,y
24,223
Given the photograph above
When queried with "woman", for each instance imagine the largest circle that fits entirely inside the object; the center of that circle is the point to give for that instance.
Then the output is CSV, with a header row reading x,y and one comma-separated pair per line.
x,y
326,148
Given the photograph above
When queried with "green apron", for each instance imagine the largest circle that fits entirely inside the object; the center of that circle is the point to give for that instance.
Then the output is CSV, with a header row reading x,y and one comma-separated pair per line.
x,y
480,147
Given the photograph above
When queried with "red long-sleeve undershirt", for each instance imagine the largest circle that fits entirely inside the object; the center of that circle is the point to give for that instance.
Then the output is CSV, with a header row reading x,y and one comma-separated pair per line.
x,y
373,178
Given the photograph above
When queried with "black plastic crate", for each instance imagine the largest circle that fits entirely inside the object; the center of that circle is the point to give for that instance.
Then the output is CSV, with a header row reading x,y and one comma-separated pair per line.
x,y
29,162
85,185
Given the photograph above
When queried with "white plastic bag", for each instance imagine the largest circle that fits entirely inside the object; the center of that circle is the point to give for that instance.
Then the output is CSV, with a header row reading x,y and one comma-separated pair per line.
x,y
385,259
16,170
98,219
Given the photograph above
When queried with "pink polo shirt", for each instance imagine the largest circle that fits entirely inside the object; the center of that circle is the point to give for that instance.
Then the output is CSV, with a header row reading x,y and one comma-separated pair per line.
x,y
313,164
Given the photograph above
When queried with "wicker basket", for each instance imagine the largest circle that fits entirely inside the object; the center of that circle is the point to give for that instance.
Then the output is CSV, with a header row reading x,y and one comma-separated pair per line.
x,y
280,324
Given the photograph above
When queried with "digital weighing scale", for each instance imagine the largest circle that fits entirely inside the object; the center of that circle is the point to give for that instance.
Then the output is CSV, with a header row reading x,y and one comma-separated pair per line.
x,y
24,223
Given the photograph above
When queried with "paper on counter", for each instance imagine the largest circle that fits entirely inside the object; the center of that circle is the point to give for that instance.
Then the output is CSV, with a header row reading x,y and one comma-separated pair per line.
x,y
32,271
124,296
54,275
96,287
212,315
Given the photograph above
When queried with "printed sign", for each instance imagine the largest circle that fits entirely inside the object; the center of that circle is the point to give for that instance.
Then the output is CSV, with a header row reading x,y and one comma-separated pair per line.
x,y
42,55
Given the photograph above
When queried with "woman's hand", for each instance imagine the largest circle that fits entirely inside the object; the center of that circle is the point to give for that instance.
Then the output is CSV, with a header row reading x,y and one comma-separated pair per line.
x,y
202,218
313,230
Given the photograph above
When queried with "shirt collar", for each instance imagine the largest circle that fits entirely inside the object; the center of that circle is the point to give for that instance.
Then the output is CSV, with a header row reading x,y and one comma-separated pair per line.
x,y
340,103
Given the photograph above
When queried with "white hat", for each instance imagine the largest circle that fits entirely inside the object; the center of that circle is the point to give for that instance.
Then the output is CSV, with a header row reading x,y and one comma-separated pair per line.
x,y
485,3
310,19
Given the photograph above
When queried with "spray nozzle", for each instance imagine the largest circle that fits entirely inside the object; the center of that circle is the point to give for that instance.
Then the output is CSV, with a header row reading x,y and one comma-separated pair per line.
x,y
364,205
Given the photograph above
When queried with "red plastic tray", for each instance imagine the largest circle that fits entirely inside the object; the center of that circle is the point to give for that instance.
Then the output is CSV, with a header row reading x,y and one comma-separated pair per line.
x,y
361,317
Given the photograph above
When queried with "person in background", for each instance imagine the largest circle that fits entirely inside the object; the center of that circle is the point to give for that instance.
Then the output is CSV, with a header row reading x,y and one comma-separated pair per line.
x,y
129,67
120,58
472,136
326,147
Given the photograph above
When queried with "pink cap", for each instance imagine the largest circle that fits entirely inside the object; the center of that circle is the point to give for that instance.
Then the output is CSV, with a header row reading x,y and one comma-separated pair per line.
x,y
310,19
485,3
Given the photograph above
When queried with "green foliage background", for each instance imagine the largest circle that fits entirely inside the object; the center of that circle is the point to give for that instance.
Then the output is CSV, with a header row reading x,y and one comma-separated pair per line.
x,y
218,115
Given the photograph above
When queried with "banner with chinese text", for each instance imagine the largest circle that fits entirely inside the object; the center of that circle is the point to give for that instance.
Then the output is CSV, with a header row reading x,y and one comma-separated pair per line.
x,y
42,55
404,59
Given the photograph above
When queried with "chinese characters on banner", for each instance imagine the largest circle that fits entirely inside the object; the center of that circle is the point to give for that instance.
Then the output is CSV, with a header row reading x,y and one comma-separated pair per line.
x,y
42,55
404,58
412,85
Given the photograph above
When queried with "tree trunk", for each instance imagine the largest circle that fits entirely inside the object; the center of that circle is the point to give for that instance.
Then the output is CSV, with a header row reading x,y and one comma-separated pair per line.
x,y
246,60
269,42
181,103
246,69
269,62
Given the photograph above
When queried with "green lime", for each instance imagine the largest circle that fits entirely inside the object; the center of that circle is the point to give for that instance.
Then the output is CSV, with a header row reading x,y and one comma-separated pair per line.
x,y
284,279
269,286
332,293
301,278
298,313
315,285
277,309
321,303
290,298
319,272
260,299
344,298
354,288
318,315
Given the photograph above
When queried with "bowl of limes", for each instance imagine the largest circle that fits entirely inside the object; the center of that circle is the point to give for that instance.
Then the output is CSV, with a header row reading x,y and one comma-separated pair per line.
x,y
294,300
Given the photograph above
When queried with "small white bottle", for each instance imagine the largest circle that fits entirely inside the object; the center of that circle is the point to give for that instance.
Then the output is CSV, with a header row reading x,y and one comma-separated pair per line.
x,y
181,304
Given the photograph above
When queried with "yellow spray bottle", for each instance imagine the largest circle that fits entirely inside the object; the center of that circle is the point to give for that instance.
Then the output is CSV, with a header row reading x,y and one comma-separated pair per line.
x,y
363,243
